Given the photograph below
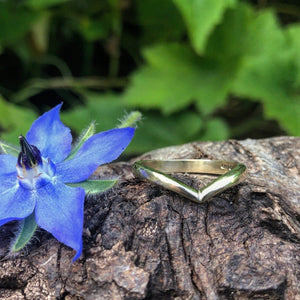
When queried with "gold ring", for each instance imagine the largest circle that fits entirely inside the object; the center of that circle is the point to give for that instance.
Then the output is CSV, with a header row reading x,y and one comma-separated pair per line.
x,y
231,173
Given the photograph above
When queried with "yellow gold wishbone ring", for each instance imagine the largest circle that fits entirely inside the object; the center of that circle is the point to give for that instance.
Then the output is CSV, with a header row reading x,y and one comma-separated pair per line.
x,y
231,173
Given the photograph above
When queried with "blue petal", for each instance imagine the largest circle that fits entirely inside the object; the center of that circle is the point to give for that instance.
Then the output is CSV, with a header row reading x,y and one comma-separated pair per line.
x,y
59,210
51,136
99,149
16,203
7,164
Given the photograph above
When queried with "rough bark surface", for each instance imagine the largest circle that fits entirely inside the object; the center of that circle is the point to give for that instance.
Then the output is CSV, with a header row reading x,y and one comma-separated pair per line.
x,y
144,242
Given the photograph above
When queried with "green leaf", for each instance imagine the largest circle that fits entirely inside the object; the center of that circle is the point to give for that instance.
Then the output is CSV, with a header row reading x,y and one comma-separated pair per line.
x,y
227,40
90,131
293,40
176,77
272,81
27,230
14,120
200,17
93,30
160,21
105,109
264,37
95,186
8,149
43,4
156,131
16,21
215,130
270,70
245,35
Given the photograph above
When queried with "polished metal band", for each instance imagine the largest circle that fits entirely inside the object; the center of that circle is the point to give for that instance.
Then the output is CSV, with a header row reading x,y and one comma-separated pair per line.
x,y
231,173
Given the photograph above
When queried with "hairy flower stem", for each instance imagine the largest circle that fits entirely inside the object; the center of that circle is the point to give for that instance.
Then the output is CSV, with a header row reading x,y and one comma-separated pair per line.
x,y
131,119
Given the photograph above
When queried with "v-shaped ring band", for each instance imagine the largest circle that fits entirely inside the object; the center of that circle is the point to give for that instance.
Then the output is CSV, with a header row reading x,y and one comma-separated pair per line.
x,y
231,173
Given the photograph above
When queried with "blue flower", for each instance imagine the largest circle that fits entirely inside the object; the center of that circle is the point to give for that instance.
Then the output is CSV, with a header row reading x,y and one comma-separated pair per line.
x,y
36,181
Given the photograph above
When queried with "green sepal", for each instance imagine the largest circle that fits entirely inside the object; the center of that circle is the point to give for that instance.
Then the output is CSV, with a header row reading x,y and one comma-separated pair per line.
x,y
82,139
27,230
95,186
8,149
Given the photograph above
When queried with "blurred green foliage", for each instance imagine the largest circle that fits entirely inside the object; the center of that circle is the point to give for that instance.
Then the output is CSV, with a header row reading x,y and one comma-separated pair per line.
x,y
198,69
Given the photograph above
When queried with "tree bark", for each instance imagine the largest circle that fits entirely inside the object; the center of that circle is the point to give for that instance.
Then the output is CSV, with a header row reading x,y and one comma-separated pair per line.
x,y
144,242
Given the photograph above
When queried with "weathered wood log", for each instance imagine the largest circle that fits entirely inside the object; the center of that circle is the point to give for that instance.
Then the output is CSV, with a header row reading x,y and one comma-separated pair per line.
x,y
144,242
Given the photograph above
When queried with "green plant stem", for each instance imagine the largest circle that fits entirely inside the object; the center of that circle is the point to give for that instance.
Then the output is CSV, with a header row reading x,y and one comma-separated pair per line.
x,y
84,82
88,58
37,85
56,62
116,38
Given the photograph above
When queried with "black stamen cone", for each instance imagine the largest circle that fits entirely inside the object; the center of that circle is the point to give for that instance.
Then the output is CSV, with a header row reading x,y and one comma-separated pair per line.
x,y
30,155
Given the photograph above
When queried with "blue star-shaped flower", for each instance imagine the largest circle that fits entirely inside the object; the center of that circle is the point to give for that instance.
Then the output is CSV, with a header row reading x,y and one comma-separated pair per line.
x,y
36,181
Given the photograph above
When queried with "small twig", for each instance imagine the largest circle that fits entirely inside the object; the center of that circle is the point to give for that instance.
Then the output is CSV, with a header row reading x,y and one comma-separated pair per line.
x,y
84,82
34,86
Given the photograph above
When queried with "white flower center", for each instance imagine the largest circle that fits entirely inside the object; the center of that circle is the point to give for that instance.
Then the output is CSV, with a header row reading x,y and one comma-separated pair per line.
x,y
37,176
